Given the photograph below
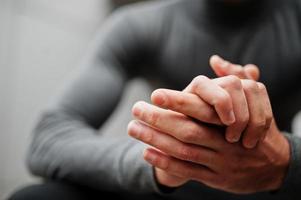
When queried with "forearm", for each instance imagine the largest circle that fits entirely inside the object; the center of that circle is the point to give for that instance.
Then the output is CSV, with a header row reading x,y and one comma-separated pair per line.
x,y
65,148
66,145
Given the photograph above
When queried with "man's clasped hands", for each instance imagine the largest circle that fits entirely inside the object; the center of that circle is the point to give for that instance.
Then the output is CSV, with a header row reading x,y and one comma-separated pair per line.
x,y
219,132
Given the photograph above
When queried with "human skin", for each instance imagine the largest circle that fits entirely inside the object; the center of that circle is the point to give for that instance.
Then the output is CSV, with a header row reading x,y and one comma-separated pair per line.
x,y
218,98
202,153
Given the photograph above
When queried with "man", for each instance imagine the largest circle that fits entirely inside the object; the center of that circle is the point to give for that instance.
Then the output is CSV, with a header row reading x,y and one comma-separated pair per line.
x,y
171,41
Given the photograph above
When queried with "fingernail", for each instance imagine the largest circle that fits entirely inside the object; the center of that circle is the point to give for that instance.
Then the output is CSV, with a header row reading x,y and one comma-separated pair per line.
x,y
149,156
251,144
160,99
236,138
233,138
136,110
134,129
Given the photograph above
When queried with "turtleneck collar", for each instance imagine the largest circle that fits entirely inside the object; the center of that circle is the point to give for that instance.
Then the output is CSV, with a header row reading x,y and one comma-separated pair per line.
x,y
229,12
235,11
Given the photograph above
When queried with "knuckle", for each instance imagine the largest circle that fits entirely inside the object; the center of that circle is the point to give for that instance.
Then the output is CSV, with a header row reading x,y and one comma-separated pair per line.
x,y
164,163
250,85
200,78
243,120
268,122
256,125
270,119
261,86
147,136
180,101
191,134
154,118
259,124
233,82
186,153
197,81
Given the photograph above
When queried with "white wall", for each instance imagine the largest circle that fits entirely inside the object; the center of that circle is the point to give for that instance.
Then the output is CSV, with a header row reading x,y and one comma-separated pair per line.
x,y
40,42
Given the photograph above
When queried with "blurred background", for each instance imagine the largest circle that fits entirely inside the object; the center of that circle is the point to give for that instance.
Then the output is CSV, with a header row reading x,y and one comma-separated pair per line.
x,y
41,42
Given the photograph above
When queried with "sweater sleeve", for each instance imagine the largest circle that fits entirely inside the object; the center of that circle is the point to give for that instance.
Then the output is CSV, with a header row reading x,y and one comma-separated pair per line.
x,y
291,186
66,144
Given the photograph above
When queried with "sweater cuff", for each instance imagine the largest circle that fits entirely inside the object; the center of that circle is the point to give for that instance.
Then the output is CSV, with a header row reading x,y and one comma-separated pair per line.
x,y
292,181
142,173
161,189
155,185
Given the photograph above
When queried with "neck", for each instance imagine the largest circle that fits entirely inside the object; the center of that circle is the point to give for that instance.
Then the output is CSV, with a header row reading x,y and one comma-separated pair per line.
x,y
234,13
234,1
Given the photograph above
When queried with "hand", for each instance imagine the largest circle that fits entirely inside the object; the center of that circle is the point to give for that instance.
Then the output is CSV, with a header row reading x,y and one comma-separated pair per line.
x,y
242,105
230,167
205,113
170,180
222,68
213,161
171,121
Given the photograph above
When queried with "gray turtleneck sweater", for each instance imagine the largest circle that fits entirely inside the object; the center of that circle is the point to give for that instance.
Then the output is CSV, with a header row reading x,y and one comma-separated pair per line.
x,y
168,42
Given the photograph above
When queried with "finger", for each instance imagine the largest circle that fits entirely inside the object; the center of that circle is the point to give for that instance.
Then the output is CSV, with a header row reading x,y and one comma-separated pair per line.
x,y
222,67
177,167
252,72
170,145
178,125
213,95
186,103
233,86
268,108
170,180
257,121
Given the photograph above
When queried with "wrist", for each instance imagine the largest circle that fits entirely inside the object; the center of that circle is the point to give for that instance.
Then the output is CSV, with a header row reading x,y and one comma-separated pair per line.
x,y
279,160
